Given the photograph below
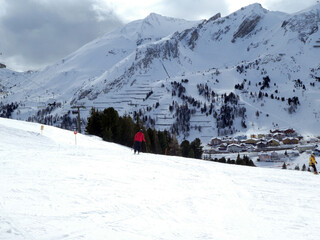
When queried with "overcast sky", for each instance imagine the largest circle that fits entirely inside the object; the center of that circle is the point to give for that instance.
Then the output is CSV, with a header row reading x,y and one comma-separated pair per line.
x,y
36,33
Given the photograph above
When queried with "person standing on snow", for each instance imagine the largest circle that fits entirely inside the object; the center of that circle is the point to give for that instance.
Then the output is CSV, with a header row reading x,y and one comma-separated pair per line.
x,y
313,162
138,138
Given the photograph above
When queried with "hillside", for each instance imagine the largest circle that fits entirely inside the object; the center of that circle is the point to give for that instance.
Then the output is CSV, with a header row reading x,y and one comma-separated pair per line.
x,y
253,70
54,189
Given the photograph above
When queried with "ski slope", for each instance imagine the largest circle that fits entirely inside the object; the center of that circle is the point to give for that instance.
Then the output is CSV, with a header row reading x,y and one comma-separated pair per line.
x,y
53,189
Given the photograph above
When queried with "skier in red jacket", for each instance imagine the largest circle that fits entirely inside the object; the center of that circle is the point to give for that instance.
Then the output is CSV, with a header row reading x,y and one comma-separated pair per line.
x,y
138,138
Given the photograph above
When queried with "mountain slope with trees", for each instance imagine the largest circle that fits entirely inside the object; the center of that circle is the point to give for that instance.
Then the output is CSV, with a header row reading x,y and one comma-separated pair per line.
x,y
252,70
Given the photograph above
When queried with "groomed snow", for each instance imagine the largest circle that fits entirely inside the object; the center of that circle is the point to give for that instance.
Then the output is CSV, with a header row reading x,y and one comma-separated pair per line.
x,y
52,189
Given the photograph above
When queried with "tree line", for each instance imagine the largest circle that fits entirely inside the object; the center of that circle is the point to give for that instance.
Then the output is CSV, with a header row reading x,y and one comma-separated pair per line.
x,y
111,127
245,160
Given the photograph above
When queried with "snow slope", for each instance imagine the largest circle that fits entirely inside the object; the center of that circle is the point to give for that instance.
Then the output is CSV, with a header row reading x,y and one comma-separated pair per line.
x,y
53,189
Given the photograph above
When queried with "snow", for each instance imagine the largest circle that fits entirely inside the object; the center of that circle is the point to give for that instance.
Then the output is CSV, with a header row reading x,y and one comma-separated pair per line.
x,y
53,189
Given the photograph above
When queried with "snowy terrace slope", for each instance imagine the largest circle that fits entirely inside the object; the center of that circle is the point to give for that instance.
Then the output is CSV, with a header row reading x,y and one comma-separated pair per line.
x,y
53,189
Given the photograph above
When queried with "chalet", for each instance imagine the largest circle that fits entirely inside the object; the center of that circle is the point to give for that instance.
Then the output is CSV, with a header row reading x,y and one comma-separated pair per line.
x,y
250,148
274,131
275,157
286,140
303,148
234,148
278,136
241,137
264,157
290,140
223,147
229,141
252,141
269,136
216,141
271,157
290,132
273,143
253,136
261,144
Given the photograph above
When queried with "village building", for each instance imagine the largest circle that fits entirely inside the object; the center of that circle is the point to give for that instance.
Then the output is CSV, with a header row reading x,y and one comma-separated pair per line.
x,y
271,157
275,157
252,141
229,141
223,147
261,136
302,148
241,138
234,148
250,148
261,144
278,136
273,143
274,131
286,141
290,132
290,140
264,157
216,141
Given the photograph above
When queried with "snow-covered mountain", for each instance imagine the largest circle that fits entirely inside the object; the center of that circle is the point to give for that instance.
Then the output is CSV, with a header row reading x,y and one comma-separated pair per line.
x,y
53,189
250,71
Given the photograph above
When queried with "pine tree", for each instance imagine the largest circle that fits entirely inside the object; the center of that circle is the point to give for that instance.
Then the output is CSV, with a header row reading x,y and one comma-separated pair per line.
x,y
284,166
155,144
94,123
174,148
191,154
162,136
126,131
240,161
107,134
110,122
197,148
185,148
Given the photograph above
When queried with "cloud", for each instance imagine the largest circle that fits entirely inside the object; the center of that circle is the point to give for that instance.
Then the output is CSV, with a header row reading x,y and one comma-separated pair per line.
x,y
193,10
35,33
291,6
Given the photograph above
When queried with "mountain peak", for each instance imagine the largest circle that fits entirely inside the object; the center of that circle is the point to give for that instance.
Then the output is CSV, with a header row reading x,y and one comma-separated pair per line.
x,y
255,8
154,16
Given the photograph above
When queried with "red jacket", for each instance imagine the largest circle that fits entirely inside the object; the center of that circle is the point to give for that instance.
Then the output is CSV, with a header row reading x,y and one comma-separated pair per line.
x,y
139,137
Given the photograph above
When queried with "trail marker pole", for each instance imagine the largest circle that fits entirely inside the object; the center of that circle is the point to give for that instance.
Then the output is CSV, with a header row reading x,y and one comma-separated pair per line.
x,y
75,136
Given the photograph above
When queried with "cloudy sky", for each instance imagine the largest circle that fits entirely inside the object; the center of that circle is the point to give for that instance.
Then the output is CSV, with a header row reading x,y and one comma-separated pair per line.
x,y
36,33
